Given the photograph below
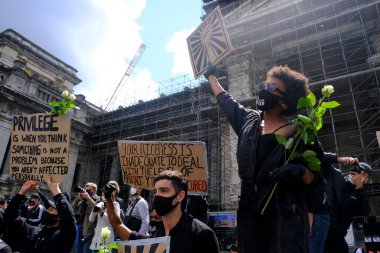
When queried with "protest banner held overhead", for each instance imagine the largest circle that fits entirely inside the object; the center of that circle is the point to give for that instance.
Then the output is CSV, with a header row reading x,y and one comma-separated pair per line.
x,y
142,161
209,43
39,147
153,245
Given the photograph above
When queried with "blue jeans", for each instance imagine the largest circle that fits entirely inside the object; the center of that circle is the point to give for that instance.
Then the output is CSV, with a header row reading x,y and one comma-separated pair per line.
x,y
78,241
320,228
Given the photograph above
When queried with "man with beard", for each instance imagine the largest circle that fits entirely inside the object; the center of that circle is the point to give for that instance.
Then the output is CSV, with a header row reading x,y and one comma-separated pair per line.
x,y
59,232
187,234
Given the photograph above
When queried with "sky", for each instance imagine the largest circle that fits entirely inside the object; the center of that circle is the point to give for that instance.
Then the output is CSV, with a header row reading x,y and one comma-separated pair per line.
x,y
100,37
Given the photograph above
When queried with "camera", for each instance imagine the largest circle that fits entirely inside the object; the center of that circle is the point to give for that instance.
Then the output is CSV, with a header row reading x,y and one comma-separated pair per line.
x,y
78,189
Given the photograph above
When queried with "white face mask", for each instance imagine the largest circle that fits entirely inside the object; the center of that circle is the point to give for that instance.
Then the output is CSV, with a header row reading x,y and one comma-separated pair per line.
x,y
132,191
351,180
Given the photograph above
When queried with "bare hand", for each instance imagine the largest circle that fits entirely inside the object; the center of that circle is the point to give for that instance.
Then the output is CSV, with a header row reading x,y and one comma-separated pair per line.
x,y
53,186
27,186
85,195
347,160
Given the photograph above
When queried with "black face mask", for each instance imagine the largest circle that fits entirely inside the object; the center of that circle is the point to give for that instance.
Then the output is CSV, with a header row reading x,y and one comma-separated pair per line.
x,y
154,223
49,219
163,205
266,100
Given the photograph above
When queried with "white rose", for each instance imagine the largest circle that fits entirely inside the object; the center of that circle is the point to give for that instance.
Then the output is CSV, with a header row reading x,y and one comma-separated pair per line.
x,y
72,97
327,90
65,93
106,233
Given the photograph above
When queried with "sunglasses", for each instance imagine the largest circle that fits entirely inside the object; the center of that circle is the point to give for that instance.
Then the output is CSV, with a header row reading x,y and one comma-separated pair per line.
x,y
270,87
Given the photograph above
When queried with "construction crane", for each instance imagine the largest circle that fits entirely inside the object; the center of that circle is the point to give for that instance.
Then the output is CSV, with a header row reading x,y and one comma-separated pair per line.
x,y
127,73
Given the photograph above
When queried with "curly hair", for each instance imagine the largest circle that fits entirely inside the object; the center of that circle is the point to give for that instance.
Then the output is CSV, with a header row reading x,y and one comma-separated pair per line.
x,y
296,85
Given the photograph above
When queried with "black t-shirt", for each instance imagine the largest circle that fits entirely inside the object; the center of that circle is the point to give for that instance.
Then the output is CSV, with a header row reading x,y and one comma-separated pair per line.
x,y
267,142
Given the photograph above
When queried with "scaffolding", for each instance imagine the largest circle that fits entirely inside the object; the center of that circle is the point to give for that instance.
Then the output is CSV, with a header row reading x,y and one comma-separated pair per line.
x,y
331,41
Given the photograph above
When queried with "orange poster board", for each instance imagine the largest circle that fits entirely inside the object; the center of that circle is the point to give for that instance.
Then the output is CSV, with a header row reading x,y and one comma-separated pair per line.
x,y
142,161
39,147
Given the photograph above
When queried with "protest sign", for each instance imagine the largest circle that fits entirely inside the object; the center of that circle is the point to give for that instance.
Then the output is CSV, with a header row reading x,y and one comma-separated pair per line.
x,y
151,245
39,147
209,43
142,161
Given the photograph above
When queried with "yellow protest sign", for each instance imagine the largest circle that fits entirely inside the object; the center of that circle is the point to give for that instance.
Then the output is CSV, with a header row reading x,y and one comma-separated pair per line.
x,y
39,147
142,161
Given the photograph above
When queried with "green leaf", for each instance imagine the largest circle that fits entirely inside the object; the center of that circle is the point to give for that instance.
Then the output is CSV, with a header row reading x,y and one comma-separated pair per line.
x,y
311,160
296,155
281,139
302,103
310,136
304,119
113,245
330,104
320,111
318,123
311,98
304,137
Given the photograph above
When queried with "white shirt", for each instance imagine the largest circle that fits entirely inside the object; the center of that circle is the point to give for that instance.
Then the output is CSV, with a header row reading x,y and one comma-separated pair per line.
x,y
140,211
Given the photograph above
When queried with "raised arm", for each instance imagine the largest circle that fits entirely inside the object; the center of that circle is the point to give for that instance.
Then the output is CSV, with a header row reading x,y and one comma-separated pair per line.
x,y
215,85
114,218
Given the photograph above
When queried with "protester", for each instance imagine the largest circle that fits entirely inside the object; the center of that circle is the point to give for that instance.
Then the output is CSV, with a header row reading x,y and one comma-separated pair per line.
x,y
186,233
100,215
155,221
354,202
83,205
321,216
118,200
3,227
234,248
137,214
197,207
59,232
35,210
283,224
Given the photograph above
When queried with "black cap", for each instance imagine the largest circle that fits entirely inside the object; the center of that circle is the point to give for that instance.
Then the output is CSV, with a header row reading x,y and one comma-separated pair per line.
x,y
365,167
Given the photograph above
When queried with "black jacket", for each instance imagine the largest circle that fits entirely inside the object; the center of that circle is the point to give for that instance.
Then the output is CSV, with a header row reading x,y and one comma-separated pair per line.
x,y
349,203
188,236
256,185
59,239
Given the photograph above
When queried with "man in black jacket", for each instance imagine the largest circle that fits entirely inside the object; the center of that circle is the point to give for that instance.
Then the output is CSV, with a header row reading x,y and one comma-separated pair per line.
x,y
187,234
353,202
59,232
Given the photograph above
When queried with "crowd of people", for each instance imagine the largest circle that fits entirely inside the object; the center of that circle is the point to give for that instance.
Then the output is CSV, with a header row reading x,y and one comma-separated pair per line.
x,y
309,212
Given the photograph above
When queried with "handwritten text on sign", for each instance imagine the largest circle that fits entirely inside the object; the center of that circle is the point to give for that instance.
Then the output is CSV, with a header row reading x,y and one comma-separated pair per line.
x,y
141,161
39,147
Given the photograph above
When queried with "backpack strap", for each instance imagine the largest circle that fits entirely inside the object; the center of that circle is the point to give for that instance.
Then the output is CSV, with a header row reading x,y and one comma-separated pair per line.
x,y
133,206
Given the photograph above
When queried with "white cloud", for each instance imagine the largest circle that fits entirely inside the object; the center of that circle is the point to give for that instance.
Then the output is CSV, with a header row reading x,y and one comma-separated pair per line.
x,y
139,86
105,40
178,46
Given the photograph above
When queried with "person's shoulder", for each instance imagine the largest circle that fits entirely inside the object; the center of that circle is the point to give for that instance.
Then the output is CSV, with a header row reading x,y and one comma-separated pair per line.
x,y
198,225
143,201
